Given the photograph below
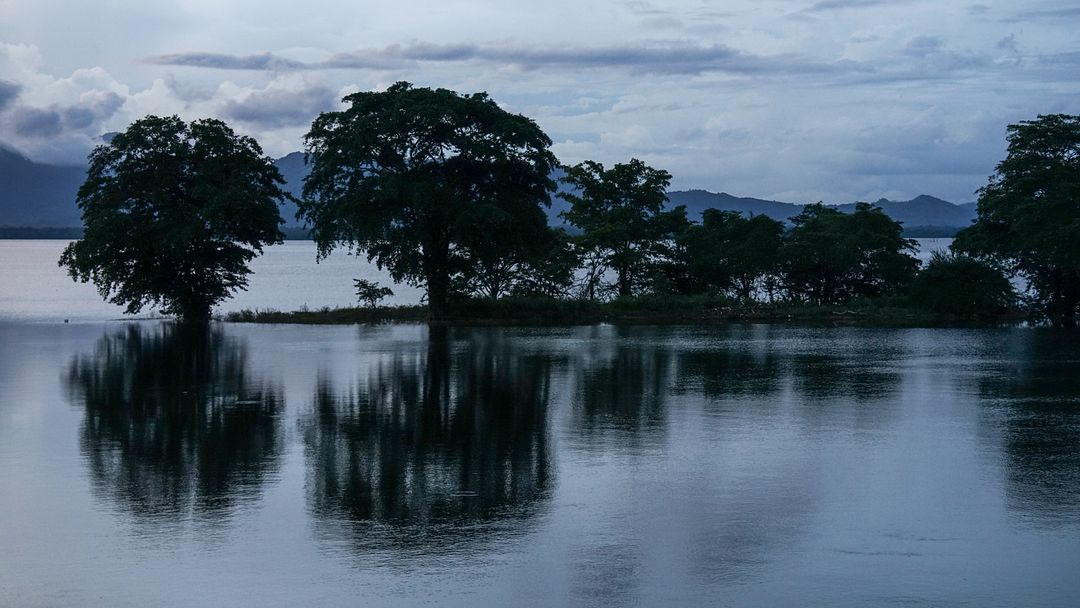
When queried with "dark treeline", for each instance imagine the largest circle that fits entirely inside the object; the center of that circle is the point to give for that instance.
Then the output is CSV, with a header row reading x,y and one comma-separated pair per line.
x,y
447,192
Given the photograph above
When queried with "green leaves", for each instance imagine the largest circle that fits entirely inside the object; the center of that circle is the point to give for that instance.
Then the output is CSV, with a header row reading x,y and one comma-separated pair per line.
x,y
403,174
173,213
620,212
830,256
1029,212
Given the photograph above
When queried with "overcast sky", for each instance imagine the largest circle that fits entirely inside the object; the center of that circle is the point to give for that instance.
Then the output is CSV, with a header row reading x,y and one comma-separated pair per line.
x,y
797,100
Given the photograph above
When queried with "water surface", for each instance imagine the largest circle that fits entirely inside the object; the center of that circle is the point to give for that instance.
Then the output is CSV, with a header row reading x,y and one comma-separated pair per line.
x,y
142,464
285,277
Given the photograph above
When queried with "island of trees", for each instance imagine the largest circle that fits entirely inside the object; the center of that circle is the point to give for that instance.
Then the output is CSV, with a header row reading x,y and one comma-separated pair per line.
x,y
447,192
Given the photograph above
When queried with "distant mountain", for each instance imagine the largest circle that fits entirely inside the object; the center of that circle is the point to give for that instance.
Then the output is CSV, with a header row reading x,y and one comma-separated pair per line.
x,y
697,201
37,195
294,171
923,210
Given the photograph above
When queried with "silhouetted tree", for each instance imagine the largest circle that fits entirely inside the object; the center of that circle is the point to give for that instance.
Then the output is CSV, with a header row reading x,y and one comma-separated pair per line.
x,y
729,251
621,214
173,213
370,292
958,284
830,257
404,174
501,257
550,271
1029,213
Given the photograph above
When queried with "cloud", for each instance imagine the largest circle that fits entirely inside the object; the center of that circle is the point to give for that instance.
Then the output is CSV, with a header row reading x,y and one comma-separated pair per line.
x,y
221,61
8,92
837,5
1068,12
276,107
36,122
668,58
93,107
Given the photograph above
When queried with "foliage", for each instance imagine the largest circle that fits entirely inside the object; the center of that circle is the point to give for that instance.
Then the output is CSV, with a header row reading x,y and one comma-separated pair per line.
x,y
1029,213
370,292
549,272
729,251
620,212
830,257
173,213
501,259
957,284
405,175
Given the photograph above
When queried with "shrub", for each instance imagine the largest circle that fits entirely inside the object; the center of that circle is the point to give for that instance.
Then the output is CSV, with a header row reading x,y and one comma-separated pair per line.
x,y
957,284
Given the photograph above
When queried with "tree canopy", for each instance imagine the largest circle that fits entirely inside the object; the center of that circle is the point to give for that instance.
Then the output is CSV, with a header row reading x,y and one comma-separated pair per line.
x,y
730,251
406,175
173,212
620,212
958,284
1029,213
830,256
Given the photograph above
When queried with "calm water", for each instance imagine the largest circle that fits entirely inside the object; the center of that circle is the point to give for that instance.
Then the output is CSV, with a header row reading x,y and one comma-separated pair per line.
x,y
285,277
253,465
597,466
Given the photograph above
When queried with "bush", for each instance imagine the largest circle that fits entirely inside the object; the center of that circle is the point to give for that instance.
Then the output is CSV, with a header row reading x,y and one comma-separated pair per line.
x,y
957,284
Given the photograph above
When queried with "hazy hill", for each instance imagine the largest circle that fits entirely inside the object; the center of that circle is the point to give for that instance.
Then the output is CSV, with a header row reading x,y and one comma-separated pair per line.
x,y
38,195
923,210
697,201
293,170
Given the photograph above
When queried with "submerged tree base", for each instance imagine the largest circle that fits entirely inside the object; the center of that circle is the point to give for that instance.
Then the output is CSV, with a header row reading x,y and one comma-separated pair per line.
x,y
652,310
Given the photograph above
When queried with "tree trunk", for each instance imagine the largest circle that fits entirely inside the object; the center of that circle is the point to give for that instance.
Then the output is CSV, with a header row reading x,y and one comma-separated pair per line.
x,y
436,256
625,288
438,286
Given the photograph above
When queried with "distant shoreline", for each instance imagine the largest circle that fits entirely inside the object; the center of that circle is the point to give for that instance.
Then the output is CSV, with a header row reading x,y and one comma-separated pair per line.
x,y
674,310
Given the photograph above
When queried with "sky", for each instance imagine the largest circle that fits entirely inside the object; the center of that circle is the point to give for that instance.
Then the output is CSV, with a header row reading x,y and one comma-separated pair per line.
x,y
794,100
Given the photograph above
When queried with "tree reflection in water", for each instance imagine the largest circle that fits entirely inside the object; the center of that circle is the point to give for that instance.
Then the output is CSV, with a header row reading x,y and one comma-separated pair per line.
x,y
1037,391
445,444
174,423
624,378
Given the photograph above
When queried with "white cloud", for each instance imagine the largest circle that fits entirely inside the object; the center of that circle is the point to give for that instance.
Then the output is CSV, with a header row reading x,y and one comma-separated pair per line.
x,y
853,99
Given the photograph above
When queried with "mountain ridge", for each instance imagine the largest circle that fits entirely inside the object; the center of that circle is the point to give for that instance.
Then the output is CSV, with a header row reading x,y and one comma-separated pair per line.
x,y
52,189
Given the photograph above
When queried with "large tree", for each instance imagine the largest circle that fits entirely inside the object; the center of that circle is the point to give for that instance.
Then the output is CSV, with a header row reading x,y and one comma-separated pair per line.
x,y
173,212
729,251
620,212
402,175
829,256
1029,213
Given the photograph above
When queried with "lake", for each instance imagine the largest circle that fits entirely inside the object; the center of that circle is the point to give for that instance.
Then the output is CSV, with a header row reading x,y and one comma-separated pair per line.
x,y
142,463
285,277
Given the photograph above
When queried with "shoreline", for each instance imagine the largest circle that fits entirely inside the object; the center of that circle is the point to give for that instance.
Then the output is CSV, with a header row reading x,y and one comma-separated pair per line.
x,y
644,311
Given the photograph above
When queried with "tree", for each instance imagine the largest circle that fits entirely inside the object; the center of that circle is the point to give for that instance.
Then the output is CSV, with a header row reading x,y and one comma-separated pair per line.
x,y
1029,213
370,292
499,251
620,212
729,251
402,174
958,284
173,213
829,256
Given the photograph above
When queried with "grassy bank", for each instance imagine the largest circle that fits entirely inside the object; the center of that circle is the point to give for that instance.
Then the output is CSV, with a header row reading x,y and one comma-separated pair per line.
x,y
660,310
